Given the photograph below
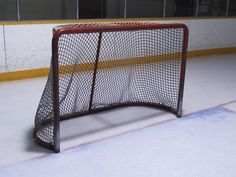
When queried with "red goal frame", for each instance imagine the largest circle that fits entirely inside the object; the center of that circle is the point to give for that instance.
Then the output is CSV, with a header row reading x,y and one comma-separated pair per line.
x,y
91,28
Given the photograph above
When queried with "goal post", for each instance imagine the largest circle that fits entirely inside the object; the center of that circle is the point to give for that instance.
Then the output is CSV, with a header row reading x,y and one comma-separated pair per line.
x,y
101,66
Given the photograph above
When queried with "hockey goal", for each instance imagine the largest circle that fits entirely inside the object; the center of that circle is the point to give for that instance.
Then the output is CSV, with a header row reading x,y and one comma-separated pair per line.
x,y
101,66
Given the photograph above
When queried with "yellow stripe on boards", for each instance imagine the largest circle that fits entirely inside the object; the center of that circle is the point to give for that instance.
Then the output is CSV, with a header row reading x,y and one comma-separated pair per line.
x,y
216,51
116,63
27,74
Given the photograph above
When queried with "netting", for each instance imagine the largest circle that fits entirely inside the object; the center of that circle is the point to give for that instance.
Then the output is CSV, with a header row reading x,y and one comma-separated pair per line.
x,y
106,68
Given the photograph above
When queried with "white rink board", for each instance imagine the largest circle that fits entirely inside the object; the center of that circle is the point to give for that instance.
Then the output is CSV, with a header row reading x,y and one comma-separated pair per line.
x,y
2,54
29,46
214,33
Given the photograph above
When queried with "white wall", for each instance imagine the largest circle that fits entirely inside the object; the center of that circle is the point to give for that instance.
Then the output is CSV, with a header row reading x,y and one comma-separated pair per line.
x,y
215,33
29,46
2,54
209,33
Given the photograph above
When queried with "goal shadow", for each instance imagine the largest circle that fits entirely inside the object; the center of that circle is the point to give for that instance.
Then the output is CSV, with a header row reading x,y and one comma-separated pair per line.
x,y
90,128
31,146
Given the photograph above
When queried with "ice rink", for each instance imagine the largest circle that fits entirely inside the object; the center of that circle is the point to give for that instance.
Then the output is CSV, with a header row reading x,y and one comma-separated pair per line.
x,y
131,141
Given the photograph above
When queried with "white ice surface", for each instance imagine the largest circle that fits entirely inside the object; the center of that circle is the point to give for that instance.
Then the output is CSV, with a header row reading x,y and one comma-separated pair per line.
x,y
200,145
18,104
210,81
